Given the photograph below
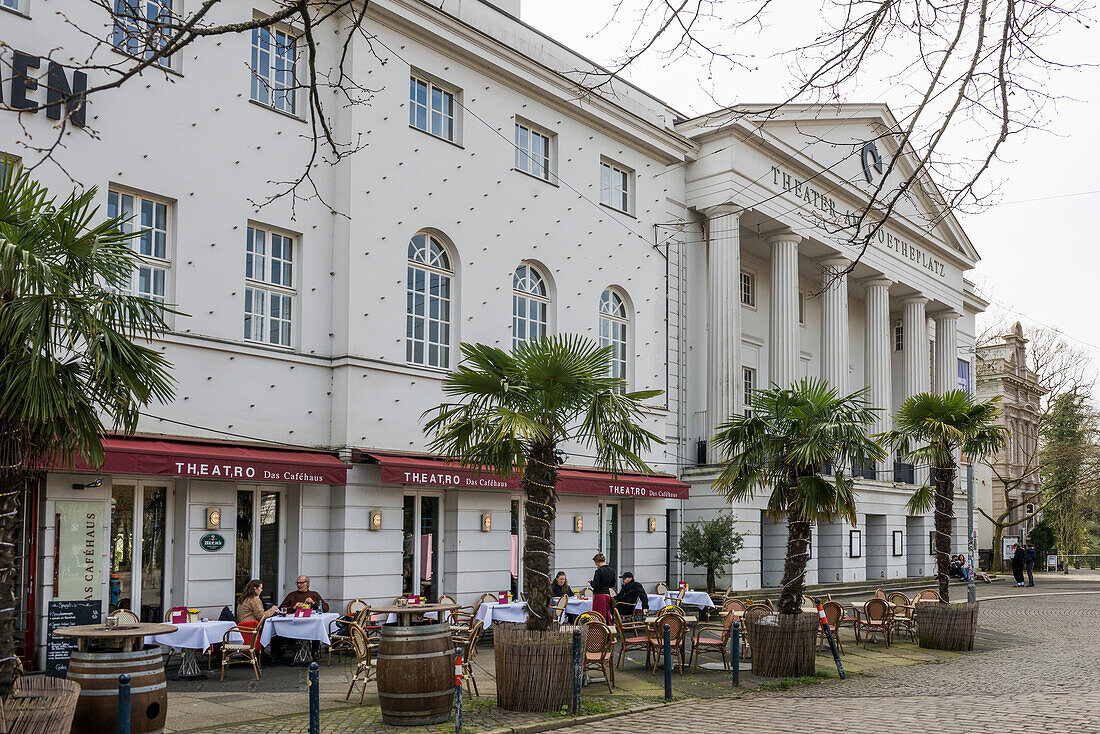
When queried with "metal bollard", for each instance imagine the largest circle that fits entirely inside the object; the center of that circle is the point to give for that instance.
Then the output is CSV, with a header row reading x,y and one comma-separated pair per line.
x,y
735,654
577,672
668,665
458,689
124,704
829,637
314,699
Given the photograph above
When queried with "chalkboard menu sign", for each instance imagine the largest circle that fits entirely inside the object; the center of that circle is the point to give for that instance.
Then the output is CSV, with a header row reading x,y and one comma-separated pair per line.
x,y
66,614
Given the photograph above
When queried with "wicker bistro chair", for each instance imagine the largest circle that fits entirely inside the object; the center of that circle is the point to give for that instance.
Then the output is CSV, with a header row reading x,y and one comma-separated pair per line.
x,y
632,636
339,631
661,588
875,618
599,652
365,667
585,592
902,616
469,643
124,616
592,616
880,594
834,614
557,610
39,704
926,596
463,617
247,651
712,638
677,629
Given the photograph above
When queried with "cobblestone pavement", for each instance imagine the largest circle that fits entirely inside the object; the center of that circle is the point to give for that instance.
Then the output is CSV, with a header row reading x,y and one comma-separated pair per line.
x,y
1041,676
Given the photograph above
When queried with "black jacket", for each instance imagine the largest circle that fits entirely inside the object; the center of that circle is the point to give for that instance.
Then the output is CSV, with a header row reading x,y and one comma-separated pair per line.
x,y
557,590
603,579
1018,558
631,593
1030,555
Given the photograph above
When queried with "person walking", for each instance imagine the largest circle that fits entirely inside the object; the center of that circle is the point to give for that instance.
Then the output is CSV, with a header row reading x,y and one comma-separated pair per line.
x,y
1030,556
1018,556
602,581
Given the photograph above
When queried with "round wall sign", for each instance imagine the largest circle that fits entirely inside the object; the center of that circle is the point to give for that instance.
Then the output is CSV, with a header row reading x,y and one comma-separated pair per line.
x,y
212,542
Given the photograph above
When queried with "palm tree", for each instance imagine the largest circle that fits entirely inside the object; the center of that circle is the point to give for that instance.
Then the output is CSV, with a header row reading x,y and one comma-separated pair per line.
x,y
514,410
71,365
785,447
940,426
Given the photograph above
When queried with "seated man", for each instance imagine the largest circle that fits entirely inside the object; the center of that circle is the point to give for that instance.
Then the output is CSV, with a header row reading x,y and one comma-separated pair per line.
x,y
629,595
301,598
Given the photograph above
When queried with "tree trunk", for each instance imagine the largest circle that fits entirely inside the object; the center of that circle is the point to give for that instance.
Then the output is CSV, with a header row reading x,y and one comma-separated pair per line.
x,y
798,539
710,579
944,509
539,481
11,486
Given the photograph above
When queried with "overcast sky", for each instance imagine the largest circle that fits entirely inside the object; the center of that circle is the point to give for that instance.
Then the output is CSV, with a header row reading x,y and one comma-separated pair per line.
x,y
1039,258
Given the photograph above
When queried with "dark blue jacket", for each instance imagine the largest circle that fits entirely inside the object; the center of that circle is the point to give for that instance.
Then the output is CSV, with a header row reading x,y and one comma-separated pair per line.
x,y
1030,555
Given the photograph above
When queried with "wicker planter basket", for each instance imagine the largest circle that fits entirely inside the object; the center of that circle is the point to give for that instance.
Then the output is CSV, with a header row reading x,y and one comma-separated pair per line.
x,y
534,670
782,645
946,626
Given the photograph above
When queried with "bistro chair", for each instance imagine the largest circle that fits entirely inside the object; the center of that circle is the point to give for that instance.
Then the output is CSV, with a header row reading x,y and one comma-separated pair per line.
x,y
632,636
661,588
463,617
598,650
677,630
880,594
124,616
365,668
446,599
469,643
585,592
247,651
354,607
175,612
834,613
736,605
557,609
902,615
339,631
712,638
680,596
926,596
592,616
875,618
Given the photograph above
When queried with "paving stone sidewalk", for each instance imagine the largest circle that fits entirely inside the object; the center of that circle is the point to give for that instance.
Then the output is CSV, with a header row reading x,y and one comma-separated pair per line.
x,y
1037,660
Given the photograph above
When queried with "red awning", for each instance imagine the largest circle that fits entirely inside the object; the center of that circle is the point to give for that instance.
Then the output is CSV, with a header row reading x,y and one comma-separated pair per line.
x,y
429,472
218,461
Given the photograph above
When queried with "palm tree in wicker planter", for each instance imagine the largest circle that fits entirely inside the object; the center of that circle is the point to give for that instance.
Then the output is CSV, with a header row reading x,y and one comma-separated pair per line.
x,y
793,438
74,353
932,429
512,412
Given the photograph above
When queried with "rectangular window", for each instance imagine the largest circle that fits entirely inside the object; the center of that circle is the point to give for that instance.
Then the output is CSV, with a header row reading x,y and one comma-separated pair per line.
x,y
274,54
802,308
748,289
150,218
532,152
431,108
748,377
899,336
141,27
269,287
7,161
10,4
964,375
615,186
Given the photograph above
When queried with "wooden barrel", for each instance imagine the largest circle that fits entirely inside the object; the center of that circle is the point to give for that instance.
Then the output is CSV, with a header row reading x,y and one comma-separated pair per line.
x,y
416,670
98,672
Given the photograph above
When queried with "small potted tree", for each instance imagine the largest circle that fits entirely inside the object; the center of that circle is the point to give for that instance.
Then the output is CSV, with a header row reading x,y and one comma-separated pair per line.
x,y
711,544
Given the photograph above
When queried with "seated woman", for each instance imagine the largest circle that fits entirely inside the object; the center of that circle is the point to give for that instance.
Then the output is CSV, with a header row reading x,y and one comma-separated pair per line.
x,y
560,587
251,608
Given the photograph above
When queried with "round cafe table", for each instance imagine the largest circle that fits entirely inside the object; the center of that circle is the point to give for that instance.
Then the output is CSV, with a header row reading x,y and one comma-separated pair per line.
x,y
130,636
406,613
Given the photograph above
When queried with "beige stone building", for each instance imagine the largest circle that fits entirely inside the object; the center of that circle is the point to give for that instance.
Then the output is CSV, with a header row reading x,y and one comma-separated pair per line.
x,y
1002,371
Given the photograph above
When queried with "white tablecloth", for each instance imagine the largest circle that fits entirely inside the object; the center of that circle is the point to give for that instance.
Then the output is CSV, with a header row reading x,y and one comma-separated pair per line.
x,y
694,598
313,627
488,613
196,635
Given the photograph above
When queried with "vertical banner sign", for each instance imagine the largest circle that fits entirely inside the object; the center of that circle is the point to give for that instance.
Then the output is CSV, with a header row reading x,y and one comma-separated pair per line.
x,y
79,551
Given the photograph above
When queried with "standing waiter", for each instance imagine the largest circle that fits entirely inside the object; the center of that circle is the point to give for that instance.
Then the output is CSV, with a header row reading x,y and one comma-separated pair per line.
x,y
602,581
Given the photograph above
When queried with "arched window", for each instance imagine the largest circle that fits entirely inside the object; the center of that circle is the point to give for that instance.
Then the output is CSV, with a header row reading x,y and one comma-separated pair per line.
x,y
529,305
428,303
613,323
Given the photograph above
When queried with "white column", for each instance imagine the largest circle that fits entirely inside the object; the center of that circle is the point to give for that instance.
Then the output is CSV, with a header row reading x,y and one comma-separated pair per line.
x,y
783,329
915,343
878,345
723,317
947,351
834,323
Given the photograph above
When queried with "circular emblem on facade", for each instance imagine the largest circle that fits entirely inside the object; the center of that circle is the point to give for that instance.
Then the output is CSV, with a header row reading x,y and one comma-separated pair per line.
x,y
212,542
870,159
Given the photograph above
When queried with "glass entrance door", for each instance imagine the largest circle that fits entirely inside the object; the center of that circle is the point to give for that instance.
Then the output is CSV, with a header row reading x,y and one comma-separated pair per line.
x,y
609,534
259,540
422,527
138,550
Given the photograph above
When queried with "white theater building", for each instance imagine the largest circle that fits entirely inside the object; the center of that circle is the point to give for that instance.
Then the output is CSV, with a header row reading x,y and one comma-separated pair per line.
x,y
490,204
